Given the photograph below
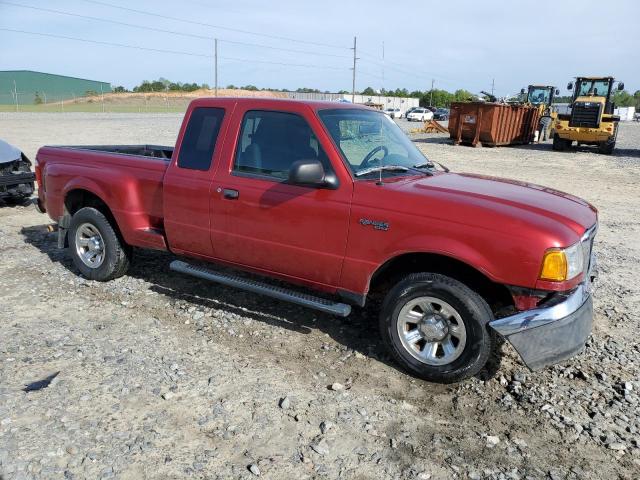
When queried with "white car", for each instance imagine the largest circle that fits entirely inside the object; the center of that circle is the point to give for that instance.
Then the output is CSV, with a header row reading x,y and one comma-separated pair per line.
x,y
393,112
420,115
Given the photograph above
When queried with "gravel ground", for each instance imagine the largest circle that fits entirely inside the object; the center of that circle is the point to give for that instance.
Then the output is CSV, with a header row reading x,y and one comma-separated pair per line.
x,y
163,376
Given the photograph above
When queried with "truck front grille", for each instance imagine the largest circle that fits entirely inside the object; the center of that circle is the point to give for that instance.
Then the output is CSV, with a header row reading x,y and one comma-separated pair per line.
x,y
585,114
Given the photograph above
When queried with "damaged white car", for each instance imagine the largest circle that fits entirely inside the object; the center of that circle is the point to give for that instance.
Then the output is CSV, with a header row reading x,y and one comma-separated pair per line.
x,y
16,177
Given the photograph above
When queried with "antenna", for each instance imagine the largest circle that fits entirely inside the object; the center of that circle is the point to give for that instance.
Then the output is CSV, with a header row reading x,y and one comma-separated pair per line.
x,y
379,182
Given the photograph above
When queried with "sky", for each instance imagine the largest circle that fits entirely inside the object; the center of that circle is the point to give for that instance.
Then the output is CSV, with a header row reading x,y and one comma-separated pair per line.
x,y
291,44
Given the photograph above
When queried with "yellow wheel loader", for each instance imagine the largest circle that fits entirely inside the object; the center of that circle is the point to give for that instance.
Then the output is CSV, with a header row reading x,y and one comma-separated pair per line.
x,y
591,121
542,97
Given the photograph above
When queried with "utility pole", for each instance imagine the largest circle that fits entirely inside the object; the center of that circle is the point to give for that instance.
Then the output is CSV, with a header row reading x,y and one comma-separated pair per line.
x,y
493,84
431,93
353,86
383,65
15,93
215,70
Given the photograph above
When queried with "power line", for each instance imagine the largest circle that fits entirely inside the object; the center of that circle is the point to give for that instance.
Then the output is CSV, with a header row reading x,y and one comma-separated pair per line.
x,y
172,32
219,27
112,44
284,49
415,74
105,20
175,52
250,60
370,74
400,67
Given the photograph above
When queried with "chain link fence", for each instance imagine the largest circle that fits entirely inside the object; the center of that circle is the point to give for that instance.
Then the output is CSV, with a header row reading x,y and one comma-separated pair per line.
x,y
16,100
44,101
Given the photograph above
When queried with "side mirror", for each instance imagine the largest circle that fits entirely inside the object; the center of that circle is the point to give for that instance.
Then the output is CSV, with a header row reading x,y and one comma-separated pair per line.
x,y
557,91
570,86
620,86
310,173
522,91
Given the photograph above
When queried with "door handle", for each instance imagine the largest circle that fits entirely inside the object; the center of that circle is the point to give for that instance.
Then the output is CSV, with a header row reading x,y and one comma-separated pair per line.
x,y
230,194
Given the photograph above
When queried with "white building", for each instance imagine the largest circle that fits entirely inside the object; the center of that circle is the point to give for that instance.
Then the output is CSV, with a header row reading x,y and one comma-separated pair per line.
x,y
386,102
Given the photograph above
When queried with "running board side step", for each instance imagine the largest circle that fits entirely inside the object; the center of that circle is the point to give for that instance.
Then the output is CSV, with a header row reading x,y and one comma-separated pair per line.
x,y
280,293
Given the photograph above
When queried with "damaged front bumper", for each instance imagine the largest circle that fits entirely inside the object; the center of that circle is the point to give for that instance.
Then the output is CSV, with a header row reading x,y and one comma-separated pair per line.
x,y
551,333
19,183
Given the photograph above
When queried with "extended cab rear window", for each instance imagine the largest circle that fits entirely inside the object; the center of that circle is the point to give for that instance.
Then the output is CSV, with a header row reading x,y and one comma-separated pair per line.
x,y
200,138
271,141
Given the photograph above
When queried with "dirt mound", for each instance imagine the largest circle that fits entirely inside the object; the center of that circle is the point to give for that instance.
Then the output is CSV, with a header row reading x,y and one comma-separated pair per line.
x,y
159,97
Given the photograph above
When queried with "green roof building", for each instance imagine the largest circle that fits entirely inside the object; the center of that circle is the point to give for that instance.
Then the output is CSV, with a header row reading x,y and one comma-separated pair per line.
x,y
37,87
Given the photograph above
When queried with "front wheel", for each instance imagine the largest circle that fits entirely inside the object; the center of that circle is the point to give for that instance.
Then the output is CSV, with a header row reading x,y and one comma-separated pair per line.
x,y
560,144
436,327
96,248
609,144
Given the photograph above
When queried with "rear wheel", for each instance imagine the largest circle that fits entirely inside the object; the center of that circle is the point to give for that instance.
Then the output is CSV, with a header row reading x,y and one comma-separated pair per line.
x,y
96,248
436,327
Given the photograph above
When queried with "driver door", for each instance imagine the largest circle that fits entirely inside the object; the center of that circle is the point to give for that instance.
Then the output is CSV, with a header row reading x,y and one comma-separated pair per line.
x,y
261,221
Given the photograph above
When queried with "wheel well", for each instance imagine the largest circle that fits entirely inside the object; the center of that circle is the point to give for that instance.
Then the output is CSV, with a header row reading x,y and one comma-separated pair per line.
x,y
495,294
79,198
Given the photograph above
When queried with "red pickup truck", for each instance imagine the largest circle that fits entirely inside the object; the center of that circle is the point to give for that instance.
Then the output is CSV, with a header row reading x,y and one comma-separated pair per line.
x,y
335,198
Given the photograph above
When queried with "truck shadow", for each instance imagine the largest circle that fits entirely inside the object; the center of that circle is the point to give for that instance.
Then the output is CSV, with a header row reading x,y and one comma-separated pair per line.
x,y
357,333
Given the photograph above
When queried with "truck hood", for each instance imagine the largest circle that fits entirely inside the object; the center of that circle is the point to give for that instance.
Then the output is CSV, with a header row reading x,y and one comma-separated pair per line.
x,y
515,199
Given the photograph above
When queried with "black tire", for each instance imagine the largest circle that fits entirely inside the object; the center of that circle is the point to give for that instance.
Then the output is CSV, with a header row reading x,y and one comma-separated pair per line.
x,y
607,146
117,254
560,144
471,307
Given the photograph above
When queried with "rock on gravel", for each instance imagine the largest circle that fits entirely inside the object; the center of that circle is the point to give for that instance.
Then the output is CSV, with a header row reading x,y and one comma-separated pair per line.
x,y
492,440
320,446
285,403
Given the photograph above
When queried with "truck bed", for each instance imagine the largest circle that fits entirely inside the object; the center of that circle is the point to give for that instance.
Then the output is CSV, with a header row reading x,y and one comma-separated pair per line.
x,y
127,178
153,151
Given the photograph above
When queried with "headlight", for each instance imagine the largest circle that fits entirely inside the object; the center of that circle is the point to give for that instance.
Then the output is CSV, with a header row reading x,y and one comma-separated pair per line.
x,y
560,264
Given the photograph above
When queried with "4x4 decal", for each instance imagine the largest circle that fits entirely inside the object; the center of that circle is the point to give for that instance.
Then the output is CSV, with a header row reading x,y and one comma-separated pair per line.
x,y
377,224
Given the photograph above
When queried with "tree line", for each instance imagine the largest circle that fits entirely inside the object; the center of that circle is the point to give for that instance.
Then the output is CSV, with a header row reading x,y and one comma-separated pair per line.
x,y
164,85
436,97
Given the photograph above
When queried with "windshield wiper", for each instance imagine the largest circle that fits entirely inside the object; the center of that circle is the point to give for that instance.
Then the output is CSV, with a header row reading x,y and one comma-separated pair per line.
x,y
430,164
391,168
379,168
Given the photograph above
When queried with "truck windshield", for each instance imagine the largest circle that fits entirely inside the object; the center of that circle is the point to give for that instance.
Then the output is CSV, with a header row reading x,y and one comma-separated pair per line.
x,y
596,88
370,139
539,95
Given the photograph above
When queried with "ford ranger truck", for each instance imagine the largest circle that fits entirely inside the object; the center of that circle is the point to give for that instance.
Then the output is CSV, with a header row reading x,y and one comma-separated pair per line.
x,y
335,200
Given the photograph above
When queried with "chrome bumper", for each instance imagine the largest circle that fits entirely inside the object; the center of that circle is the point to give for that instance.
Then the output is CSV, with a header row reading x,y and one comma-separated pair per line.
x,y
553,333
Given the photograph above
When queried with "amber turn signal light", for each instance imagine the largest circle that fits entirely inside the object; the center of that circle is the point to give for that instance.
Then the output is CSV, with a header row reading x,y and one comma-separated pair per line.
x,y
554,266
